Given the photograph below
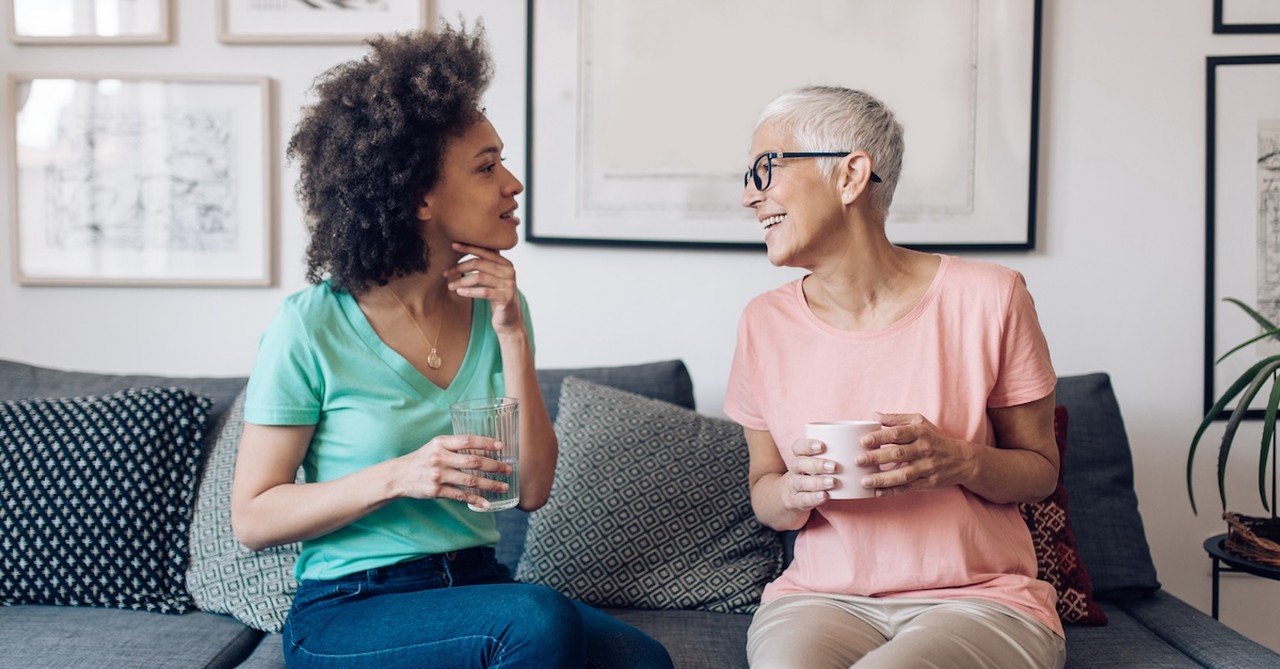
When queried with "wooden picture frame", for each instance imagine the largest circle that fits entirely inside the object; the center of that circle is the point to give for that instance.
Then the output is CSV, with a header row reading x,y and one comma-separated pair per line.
x,y
89,21
316,21
137,180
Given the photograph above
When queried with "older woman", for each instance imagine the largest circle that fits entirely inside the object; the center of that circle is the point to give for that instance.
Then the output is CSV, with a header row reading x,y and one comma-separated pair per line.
x,y
413,307
937,569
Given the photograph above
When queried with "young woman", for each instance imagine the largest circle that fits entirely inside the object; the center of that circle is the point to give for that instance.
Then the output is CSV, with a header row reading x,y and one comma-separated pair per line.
x,y
412,308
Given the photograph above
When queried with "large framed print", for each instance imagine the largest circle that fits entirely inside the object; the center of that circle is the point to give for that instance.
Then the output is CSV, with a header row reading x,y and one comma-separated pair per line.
x,y
641,113
89,21
316,21
1246,16
128,180
1242,215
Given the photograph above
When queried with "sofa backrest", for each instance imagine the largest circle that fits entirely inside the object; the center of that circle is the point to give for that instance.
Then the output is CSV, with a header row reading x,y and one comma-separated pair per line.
x,y
19,381
1098,475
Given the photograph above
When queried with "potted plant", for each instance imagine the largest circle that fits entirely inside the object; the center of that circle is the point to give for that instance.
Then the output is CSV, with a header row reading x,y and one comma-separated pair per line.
x,y
1256,538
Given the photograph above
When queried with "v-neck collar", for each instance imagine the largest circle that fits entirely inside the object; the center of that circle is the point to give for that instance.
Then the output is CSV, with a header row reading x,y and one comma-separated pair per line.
x,y
424,387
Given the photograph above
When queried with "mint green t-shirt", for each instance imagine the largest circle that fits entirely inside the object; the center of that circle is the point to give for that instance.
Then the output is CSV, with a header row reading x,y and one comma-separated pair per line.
x,y
321,363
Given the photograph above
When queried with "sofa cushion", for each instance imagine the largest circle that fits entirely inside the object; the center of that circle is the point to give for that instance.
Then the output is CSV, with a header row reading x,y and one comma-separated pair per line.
x,y
1122,642
1057,559
96,494
1104,506
68,637
666,380
649,509
256,587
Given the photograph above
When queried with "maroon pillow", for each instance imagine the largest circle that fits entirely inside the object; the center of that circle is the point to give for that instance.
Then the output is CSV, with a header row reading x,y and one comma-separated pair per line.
x,y
1057,561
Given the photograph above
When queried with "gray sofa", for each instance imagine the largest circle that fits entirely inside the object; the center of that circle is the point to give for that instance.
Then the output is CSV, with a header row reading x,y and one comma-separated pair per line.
x,y
1147,627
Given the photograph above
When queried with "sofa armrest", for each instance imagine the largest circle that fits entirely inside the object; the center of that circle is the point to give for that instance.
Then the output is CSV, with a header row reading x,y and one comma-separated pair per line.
x,y
1202,638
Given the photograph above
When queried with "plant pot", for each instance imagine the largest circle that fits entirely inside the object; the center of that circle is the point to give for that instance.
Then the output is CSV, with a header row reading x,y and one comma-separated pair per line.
x,y
1256,539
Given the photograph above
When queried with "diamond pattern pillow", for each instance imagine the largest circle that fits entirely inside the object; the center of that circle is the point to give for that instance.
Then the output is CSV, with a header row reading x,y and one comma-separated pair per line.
x,y
254,587
649,509
96,496
1057,560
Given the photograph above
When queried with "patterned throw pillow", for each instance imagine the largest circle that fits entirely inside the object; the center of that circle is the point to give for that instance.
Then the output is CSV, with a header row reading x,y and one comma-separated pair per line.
x,y
1056,556
255,588
649,509
96,496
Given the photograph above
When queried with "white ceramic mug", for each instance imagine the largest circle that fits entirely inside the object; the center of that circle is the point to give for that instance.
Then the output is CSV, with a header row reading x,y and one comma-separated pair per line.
x,y
843,440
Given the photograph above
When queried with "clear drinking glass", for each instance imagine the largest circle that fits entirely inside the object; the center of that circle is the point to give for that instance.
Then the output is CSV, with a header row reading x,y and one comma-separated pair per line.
x,y
496,418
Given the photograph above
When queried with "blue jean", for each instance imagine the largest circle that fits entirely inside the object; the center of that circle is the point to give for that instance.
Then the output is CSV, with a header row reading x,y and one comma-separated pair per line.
x,y
456,610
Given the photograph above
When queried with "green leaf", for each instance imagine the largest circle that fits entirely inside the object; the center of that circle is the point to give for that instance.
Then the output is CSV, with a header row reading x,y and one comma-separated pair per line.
x,y
1257,317
1269,333
1216,411
1233,423
1268,436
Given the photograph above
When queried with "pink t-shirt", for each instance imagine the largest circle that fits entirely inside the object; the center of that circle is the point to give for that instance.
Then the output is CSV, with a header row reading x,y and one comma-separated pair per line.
x,y
972,343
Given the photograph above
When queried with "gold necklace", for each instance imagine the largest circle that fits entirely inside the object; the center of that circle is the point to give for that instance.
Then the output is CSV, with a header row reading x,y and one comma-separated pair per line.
x,y
433,358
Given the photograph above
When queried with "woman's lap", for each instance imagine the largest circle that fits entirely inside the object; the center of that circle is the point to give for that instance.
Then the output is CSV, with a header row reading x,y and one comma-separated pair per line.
x,y
444,615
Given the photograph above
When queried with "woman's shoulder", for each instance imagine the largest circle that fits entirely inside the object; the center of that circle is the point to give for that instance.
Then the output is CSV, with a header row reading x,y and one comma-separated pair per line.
x,y
971,271
319,297
786,296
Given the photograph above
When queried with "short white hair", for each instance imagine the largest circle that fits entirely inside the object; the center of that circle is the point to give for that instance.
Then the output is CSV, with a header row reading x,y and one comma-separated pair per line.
x,y
830,118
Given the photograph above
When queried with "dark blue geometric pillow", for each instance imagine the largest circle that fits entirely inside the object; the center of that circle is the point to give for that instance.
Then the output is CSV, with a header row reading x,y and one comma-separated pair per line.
x,y
96,496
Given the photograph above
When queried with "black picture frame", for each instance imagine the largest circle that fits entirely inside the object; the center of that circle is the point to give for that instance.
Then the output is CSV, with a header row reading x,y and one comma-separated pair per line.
x,y
561,199
1220,24
1242,106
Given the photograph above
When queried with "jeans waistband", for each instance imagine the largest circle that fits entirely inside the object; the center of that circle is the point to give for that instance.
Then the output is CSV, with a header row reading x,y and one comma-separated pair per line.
x,y
425,565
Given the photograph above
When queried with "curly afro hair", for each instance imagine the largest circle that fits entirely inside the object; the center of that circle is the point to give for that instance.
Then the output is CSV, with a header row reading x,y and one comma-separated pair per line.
x,y
372,145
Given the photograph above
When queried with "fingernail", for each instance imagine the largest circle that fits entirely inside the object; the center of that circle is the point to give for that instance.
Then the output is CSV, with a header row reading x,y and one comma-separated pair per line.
x,y
828,466
828,482
868,482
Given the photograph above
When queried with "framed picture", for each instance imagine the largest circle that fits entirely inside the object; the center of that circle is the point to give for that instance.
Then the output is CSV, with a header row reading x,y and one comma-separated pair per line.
x,y
129,180
1246,16
89,21
316,21
635,144
1242,214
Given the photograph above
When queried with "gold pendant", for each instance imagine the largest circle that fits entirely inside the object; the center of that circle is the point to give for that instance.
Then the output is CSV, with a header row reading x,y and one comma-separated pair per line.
x,y
433,360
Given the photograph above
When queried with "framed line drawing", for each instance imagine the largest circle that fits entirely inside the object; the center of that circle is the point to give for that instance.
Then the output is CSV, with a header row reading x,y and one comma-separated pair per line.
x,y
131,180
631,143
89,21
1246,16
1242,214
316,21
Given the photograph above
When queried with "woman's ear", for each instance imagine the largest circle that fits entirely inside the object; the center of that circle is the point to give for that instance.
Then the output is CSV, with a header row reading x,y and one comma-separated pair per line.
x,y
853,176
424,209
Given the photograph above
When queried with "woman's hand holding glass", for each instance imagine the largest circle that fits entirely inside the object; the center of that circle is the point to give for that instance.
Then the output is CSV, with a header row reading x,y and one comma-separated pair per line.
x,y
438,469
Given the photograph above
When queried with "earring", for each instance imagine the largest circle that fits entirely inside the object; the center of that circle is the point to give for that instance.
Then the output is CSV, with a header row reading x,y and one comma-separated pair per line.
x,y
847,197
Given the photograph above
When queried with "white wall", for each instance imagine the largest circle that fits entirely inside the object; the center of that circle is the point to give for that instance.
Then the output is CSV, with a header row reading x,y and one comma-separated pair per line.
x,y
1118,275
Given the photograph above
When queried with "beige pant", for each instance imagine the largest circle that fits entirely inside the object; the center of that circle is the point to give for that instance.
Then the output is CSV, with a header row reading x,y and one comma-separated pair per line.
x,y
820,631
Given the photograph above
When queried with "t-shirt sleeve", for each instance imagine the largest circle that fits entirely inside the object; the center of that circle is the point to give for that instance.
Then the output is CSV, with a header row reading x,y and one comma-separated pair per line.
x,y
285,386
1026,371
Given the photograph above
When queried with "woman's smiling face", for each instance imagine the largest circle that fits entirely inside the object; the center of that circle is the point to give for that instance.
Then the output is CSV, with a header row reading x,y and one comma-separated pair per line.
x,y
799,209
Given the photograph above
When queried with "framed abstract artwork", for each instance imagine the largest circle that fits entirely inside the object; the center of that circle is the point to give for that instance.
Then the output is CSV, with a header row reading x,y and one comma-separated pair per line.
x,y
1242,214
129,180
316,21
639,125
89,21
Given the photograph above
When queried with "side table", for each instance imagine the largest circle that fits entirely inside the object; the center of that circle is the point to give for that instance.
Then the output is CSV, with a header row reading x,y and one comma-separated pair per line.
x,y
1226,561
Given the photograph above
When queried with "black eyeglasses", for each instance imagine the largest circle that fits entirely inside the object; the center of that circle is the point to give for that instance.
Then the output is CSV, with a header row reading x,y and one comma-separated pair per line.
x,y
764,162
